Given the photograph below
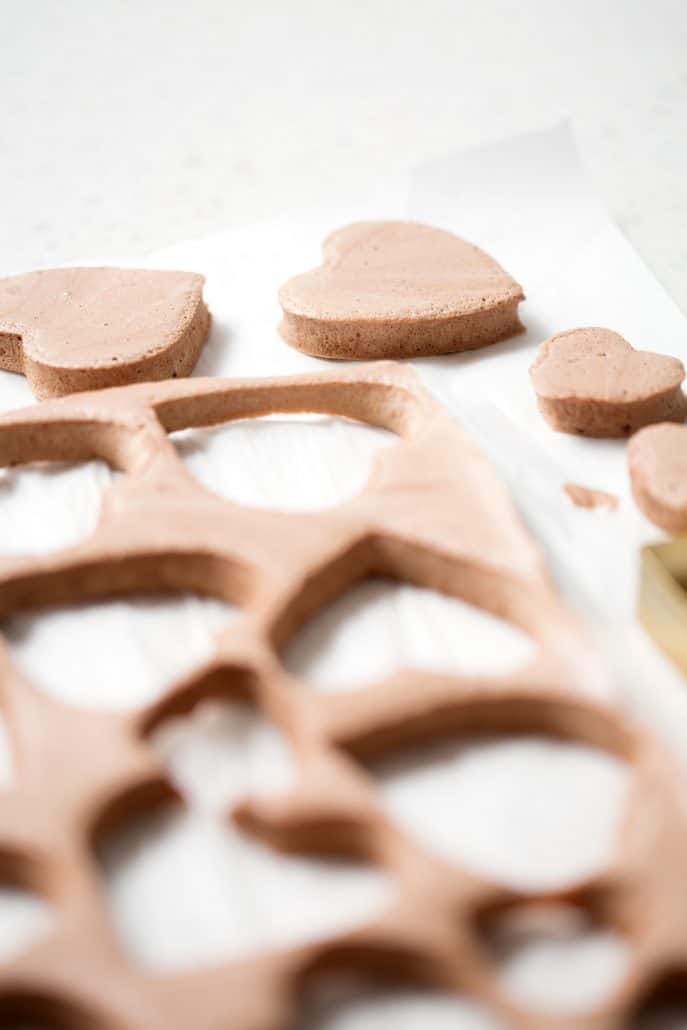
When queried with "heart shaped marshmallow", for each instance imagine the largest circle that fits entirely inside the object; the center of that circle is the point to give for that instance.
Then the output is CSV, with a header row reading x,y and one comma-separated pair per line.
x,y
592,382
657,459
398,290
71,329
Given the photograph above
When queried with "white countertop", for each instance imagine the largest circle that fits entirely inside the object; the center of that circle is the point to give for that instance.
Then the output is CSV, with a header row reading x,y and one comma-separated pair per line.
x,y
127,126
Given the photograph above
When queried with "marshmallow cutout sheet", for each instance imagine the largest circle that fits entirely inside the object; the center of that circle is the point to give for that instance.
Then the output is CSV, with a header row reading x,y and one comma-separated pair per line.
x,y
526,203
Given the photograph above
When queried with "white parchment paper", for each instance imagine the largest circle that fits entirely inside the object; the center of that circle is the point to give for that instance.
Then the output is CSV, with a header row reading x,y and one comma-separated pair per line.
x,y
529,812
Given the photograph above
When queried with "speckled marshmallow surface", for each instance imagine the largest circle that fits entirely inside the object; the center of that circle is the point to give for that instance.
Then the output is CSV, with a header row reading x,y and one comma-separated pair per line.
x,y
73,329
591,382
399,290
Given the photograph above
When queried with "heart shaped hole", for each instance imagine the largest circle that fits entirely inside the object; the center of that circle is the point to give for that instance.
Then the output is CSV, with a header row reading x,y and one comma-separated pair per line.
x,y
238,896
381,625
529,812
290,463
186,888
115,654
555,958
24,919
47,507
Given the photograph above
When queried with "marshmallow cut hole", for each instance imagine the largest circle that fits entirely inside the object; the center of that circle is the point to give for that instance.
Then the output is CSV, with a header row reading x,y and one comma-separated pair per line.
x,y
186,888
531,813
24,919
221,752
47,507
555,958
289,463
381,625
403,1009
115,654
